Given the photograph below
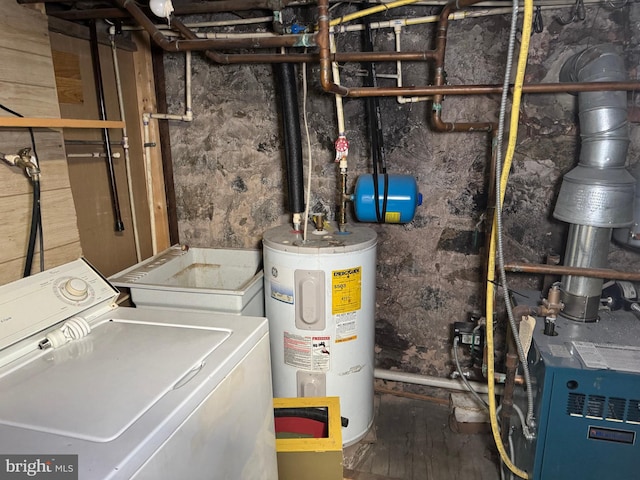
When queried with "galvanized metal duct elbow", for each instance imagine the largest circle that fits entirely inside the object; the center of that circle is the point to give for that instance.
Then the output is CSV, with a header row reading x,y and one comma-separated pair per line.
x,y
597,195
599,191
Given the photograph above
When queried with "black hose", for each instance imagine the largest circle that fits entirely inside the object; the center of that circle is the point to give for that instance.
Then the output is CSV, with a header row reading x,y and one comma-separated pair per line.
x,y
317,414
40,234
36,214
97,73
33,233
287,85
374,121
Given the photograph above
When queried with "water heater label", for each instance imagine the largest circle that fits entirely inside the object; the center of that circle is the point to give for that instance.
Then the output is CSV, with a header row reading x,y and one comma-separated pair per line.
x,y
307,353
346,326
346,290
282,293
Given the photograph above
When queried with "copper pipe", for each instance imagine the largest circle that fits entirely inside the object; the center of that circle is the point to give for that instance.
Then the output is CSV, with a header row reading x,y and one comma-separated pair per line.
x,y
322,41
485,89
306,40
192,42
511,368
564,270
203,43
548,280
325,58
223,58
439,88
260,58
438,55
230,6
520,311
441,42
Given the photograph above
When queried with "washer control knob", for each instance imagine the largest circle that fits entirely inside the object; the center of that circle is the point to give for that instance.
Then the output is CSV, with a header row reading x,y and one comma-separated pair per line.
x,y
75,289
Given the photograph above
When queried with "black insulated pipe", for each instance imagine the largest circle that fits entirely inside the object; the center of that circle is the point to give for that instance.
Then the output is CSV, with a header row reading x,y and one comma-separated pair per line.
x,y
36,224
287,85
97,74
374,122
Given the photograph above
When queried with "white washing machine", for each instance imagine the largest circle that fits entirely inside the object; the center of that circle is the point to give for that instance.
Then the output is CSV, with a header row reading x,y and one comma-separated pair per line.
x,y
145,394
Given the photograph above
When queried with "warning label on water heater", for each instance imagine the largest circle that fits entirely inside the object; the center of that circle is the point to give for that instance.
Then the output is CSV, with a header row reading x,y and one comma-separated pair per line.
x,y
346,326
307,353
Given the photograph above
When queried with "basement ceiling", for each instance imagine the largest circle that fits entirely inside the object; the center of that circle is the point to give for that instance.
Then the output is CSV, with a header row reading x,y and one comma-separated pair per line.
x,y
105,9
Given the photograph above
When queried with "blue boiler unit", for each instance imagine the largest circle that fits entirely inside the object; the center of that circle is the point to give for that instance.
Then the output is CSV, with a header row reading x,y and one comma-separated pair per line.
x,y
586,382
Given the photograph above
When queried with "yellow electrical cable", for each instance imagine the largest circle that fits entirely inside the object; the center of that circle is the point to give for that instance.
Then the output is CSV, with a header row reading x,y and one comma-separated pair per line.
x,y
371,11
513,132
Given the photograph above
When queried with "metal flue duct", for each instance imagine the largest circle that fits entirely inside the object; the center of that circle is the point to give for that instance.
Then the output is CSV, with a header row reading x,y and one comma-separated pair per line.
x,y
597,195
630,237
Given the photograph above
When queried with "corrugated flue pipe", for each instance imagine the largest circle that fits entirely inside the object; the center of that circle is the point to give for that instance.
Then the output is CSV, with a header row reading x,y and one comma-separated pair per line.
x,y
290,113
597,195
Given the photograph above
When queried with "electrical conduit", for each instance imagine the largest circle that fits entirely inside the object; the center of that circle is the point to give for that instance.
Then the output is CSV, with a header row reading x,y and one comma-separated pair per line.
x,y
500,191
371,11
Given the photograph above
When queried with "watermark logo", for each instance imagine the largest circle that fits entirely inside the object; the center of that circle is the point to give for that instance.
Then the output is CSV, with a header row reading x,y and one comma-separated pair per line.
x,y
49,467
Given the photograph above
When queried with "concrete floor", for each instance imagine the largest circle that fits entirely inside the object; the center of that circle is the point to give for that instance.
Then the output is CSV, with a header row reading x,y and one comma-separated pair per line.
x,y
413,441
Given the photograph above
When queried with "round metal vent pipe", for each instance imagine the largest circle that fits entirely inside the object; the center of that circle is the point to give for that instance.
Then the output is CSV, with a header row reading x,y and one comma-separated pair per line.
x,y
597,195
630,237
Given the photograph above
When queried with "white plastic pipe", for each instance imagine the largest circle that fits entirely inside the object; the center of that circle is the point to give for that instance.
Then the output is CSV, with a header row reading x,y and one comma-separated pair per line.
x,y
224,35
125,148
92,155
336,78
426,380
188,114
146,118
397,30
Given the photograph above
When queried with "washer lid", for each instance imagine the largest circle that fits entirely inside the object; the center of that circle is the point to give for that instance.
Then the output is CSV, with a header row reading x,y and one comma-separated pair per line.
x,y
95,388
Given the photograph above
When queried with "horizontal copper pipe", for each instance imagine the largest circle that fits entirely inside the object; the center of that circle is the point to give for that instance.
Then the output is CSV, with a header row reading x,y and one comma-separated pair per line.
x,y
193,43
604,273
437,123
261,58
306,40
325,58
294,58
181,45
535,88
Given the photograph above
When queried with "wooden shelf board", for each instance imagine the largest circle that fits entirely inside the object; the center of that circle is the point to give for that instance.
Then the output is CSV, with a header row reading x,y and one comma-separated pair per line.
x,y
59,123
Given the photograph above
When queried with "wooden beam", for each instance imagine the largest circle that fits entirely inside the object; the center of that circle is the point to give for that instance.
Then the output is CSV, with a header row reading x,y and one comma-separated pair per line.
x,y
157,55
91,14
76,30
147,104
58,123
